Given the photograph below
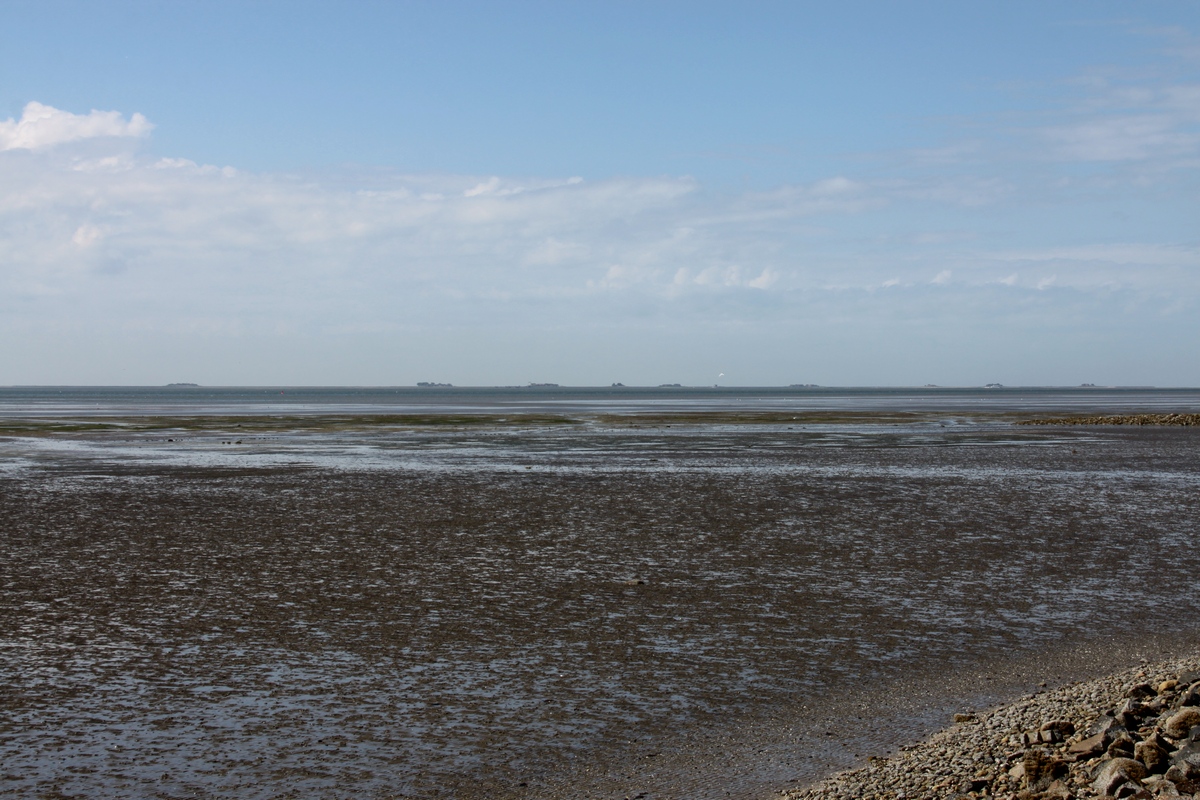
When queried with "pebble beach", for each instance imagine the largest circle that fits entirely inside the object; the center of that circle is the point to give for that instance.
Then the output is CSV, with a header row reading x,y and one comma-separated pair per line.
x,y
1132,734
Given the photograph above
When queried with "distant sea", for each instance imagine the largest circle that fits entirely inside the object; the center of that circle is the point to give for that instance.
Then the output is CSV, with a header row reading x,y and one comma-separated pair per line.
x,y
23,401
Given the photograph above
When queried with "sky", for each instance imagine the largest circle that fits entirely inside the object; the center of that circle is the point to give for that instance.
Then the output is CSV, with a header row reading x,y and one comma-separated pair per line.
x,y
496,193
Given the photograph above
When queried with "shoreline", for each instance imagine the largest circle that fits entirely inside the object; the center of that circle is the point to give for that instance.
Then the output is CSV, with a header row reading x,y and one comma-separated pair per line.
x,y
1184,420
1065,743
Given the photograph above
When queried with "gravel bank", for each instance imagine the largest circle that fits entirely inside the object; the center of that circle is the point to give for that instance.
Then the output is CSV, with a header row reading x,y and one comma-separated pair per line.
x,y
1132,734
1187,420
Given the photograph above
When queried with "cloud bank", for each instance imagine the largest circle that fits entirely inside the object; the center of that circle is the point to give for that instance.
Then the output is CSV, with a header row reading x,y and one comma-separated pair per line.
x,y
503,279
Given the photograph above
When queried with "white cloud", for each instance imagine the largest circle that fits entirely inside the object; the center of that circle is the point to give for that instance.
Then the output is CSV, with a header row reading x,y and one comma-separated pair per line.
x,y
1125,254
487,187
220,240
1123,138
963,190
834,187
87,235
766,279
42,126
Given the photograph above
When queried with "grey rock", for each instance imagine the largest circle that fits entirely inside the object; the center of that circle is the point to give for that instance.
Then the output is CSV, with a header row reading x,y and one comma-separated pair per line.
x,y
1180,780
1130,713
1108,726
1129,791
1187,758
1091,746
1117,772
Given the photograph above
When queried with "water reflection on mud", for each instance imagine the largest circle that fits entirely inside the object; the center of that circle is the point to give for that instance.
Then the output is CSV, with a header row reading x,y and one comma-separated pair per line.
x,y
547,612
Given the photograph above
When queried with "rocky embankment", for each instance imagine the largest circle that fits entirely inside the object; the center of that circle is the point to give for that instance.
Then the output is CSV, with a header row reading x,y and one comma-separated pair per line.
x,y
1131,735
1120,419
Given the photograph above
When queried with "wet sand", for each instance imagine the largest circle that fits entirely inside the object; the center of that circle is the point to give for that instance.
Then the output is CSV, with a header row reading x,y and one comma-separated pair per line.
x,y
561,610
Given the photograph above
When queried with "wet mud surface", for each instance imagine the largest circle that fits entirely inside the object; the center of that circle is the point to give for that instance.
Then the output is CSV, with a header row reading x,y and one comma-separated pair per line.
x,y
600,611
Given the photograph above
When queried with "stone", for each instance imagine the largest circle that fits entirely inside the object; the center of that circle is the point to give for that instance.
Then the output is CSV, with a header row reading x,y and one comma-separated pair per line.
x,y
1154,757
1155,707
1182,783
1108,726
973,785
1167,686
1061,726
1179,724
1130,713
1086,748
1116,772
1056,791
1141,690
1157,737
1041,769
1129,791
1122,746
1187,758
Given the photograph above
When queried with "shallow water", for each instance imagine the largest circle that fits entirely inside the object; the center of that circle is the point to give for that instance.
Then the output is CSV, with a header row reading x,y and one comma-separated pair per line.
x,y
101,401
596,610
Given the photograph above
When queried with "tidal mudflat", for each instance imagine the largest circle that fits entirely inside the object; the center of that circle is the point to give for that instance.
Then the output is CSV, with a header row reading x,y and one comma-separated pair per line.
x,y
647,606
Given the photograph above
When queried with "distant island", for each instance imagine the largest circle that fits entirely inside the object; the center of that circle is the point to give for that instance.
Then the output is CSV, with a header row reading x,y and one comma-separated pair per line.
x,y
169,385
670,386
429,385
804,386
543,386
993,386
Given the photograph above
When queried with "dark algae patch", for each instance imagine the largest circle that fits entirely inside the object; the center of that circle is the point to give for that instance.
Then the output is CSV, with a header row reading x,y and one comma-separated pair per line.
x,y
309,422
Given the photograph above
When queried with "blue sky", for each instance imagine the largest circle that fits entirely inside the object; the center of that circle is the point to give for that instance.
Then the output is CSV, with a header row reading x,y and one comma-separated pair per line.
x,y
483,193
